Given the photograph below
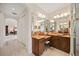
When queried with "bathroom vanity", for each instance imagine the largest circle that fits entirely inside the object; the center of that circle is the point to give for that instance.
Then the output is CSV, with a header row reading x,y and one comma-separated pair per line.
x,y
57,40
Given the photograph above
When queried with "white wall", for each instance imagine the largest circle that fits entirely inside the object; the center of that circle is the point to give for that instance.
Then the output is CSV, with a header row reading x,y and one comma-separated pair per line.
x,y
2,28
10,22
77,28
21,30
72,10
77,24
77,32
24,30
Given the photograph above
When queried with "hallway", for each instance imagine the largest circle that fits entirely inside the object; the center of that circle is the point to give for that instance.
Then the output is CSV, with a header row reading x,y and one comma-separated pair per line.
x,y
13,34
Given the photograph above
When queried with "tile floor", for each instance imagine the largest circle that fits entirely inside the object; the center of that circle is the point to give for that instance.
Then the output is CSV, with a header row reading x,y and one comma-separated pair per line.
x,y
77,50
54,52
16,48
13,48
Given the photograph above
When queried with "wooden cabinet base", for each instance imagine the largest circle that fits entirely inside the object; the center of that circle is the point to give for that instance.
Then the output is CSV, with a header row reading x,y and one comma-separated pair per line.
x,y
57,41
37,47
61,43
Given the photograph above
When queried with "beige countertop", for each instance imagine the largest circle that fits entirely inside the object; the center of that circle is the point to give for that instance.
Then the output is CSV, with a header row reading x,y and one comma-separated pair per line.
x,y
50,34
58,34
40,36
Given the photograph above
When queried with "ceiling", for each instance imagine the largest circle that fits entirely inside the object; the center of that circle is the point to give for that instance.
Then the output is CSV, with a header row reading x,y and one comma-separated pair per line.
x,y
12,9
16,9
51,7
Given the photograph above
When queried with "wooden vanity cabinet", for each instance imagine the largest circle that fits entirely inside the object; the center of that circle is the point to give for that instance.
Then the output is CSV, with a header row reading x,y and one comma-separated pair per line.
x,y
37,46
62,43
41,46
55,42
65,44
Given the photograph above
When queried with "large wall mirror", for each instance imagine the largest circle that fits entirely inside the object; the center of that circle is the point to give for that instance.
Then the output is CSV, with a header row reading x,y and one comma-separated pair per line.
x,y
64,27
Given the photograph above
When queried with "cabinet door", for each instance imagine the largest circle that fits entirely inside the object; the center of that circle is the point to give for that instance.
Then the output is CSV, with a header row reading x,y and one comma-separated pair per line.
x,y
59,42
65,44
51,41
41,46
56,42
35,47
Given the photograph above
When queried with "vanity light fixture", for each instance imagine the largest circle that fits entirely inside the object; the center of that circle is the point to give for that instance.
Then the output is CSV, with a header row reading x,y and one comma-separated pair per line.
x,y
55,17
51,20
58,16
41,15
40,21
65,14
61,15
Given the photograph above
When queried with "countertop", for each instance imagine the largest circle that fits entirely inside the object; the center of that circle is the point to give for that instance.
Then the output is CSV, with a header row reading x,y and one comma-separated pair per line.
x,y
50,34
59,34
40,36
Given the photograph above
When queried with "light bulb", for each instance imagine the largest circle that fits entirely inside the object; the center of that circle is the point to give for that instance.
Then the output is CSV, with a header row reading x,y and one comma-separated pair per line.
x,y
61,15
65,14
39,14
57,16
51,20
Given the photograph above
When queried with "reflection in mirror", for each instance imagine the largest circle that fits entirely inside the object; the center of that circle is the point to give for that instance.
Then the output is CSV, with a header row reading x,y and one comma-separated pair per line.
x,y
61,25
49,25
38,24
52,25
64,27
